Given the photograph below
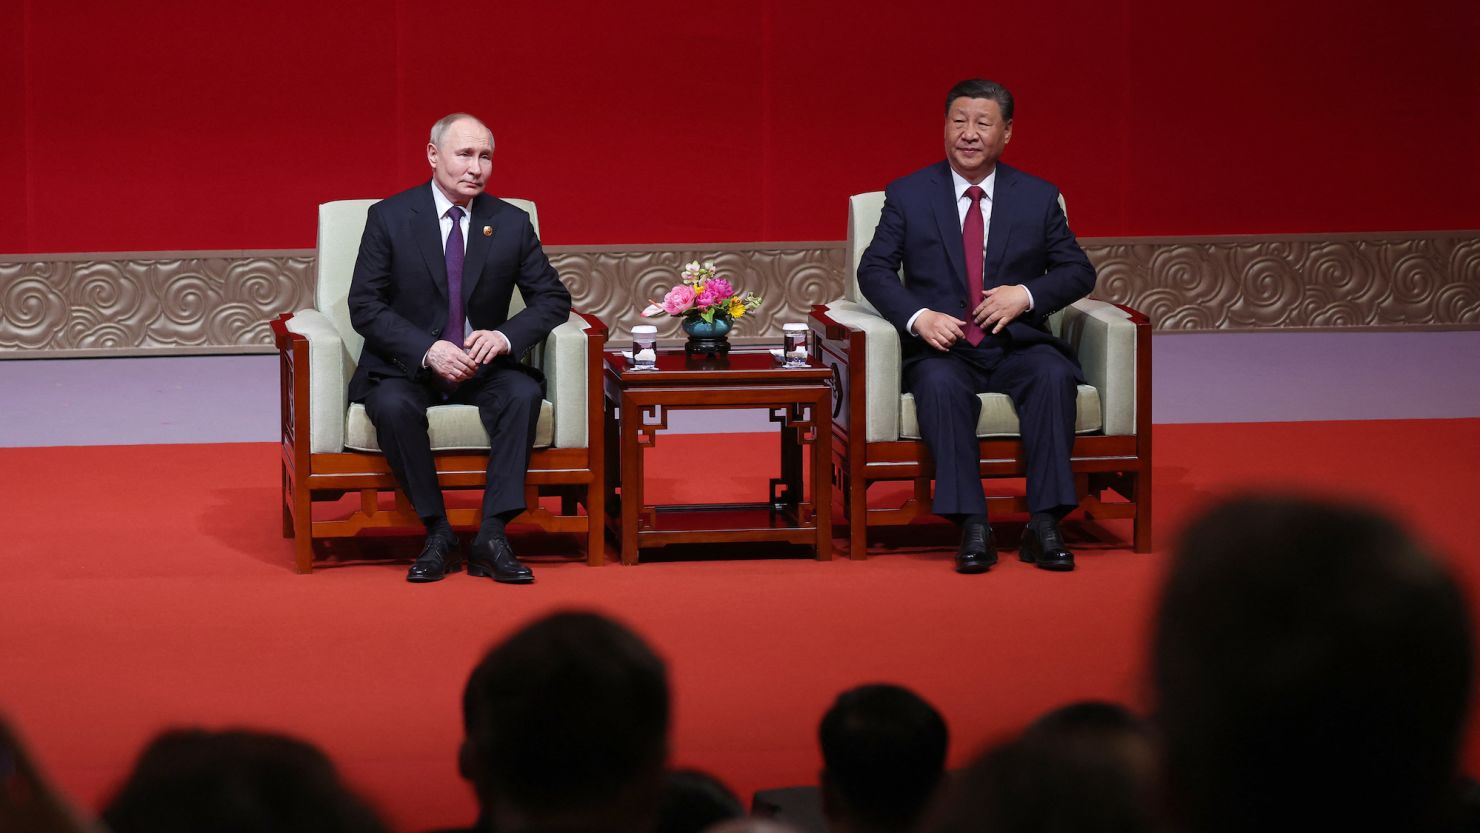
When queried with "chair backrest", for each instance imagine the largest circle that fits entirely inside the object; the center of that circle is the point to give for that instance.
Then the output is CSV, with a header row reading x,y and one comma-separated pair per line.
x,y
341,225
863,218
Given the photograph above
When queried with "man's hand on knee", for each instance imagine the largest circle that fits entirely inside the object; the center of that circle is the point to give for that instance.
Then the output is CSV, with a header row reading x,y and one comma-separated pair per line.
x,y
484,345
938,329
448,361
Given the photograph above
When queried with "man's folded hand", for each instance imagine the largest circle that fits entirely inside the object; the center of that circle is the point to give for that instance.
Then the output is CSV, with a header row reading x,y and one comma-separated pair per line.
x,y
450,362
484,345
938,329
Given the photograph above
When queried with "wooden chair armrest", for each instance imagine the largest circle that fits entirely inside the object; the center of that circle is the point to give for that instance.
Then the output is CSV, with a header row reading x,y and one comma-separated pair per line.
x,y
1113,345
866,355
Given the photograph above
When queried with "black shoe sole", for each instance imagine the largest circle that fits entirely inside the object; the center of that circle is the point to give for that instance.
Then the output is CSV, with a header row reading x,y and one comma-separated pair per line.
x,y
428,580
979,566
1055,566
479,572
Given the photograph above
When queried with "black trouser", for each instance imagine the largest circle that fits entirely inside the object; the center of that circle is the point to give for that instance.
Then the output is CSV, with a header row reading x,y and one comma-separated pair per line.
x,y
1042,383
508,402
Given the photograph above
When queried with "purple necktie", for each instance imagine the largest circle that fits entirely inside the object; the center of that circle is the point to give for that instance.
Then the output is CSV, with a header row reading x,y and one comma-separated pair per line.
x,y
973,237
455,318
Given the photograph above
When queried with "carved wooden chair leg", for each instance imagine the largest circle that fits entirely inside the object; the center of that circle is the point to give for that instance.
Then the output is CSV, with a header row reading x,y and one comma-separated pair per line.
x,y
1141,524
596,525
857,512
302,531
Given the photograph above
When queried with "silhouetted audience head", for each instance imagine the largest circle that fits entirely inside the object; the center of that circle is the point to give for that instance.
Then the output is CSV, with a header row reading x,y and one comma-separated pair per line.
x,y
694,801
883,753
567,727
1083,768
751,824
235,782
1312,666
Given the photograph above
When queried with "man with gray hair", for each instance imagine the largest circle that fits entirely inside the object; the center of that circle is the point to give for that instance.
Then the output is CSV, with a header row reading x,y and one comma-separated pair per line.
x,y
437,268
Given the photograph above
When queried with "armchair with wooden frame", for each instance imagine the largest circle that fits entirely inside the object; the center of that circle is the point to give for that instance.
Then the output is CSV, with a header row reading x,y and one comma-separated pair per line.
x,y
876,436
329,447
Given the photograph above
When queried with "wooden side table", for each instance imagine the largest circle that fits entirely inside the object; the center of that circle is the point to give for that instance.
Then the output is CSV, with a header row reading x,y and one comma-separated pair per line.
x,y
800,399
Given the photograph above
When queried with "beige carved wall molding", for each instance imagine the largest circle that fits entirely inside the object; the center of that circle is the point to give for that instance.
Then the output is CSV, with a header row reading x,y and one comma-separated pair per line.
x,y
1423,280
147,303
170,303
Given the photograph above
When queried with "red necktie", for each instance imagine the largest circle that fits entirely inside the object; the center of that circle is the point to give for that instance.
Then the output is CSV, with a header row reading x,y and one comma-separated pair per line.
x,y
973,237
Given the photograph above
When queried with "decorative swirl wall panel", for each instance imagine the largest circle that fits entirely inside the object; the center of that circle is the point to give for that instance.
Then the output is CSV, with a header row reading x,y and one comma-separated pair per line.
x,y
161,303
1425,280
147,303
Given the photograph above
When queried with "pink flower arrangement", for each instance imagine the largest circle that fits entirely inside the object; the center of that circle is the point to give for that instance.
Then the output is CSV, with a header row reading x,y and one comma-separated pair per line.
x,y
703,294
678,299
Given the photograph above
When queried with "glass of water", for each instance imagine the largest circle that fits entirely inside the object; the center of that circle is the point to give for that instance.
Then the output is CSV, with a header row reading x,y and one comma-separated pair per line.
x,y
794,345
644,347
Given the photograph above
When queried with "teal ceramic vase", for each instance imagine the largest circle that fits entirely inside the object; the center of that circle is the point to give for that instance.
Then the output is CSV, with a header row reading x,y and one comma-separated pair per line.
x,y
706,337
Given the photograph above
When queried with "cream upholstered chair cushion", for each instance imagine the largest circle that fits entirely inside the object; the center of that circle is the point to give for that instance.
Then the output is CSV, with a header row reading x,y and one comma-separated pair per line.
x,y
452,428
1101,334
334,350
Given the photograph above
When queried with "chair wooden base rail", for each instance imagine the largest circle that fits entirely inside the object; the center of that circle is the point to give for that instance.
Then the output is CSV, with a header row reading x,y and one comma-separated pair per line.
x,y
1113,473
574,475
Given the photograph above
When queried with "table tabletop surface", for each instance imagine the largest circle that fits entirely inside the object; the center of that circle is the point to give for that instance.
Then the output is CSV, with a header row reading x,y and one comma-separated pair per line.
x,y
756,366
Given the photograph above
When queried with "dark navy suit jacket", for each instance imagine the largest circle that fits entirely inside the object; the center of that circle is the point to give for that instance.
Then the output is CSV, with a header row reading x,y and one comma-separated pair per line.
x,y
1028,242
398,293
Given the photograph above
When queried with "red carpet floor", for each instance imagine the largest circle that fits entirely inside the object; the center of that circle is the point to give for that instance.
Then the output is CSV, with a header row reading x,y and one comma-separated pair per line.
x,y
147,586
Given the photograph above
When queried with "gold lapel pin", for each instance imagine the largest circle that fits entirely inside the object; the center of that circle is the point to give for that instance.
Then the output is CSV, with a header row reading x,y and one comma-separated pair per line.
x,y
488,231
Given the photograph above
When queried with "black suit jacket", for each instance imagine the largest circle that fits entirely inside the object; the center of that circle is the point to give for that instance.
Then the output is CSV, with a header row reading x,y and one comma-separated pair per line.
x,y
1028,242
398,293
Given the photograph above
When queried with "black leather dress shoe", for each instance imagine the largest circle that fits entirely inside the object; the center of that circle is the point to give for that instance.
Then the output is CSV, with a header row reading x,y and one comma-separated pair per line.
x,y
1042,545
495,558
978,551
437,559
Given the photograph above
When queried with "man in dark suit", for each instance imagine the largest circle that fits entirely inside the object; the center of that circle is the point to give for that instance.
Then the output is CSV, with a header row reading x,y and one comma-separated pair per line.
x,y
987,256
437,267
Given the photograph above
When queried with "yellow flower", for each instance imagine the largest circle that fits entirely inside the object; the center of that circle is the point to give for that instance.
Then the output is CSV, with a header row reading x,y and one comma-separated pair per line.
x,y
737,309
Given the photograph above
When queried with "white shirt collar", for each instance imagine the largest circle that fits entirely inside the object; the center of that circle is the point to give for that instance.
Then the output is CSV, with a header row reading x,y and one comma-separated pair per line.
x,y
987,185
442,203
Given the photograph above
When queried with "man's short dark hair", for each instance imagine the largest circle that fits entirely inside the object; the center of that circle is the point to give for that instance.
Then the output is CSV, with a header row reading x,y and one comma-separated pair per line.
x,y
1084,768
1312,667
1088,718
693,801
981,88
567,715
235,781
884,751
